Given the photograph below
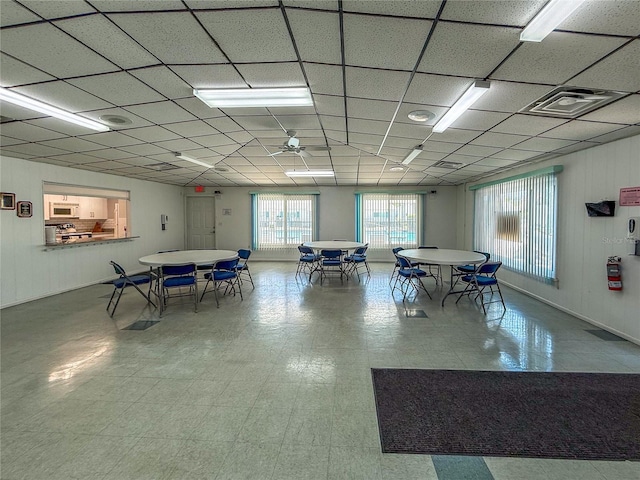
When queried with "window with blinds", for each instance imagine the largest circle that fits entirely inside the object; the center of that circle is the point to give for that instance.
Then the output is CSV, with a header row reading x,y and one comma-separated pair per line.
x,y
388,220
515,221
282,220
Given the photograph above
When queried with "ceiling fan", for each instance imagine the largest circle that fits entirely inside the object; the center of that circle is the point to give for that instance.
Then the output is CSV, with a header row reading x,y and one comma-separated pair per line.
x,y
292,145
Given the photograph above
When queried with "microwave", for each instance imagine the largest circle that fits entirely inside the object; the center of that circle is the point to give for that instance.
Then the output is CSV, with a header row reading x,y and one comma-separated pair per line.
x,y
64,210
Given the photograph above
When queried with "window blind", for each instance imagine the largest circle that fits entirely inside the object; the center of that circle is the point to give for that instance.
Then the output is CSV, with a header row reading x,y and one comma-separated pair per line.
x,y
282,220
515,221
388,220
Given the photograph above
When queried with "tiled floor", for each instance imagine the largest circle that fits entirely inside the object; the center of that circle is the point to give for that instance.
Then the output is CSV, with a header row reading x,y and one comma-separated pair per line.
x,y
275,387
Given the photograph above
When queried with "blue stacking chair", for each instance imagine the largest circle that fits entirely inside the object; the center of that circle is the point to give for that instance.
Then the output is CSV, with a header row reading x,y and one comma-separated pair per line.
x,y
125,281
178,277
331,262
308,260
437,275
243,268
223,273
409,276
484,276
461,270
356,260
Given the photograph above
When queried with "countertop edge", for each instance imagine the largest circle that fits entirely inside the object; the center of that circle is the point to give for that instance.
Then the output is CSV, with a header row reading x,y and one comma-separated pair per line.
x,y
97,241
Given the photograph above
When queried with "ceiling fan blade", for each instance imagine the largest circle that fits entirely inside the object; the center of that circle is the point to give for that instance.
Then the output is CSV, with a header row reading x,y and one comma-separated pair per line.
x,y
276,153
318,148
303,153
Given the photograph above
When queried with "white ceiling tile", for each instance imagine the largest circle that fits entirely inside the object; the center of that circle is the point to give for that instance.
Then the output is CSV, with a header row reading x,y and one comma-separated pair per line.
x,y
515,155
109,154
118,88
34,149
371,109
136,6
4,141
483,48
383,42
479,120
13,14
325,79
198,109
580,130
555,60
436,89
226,149
64,96
258,122
455,135
52,51
60,126
111,139
156,32
263,75
58,9
143,149
375,84
503,12
613,18
264,32
178,145
357,125
209,76
625,110
193,128
73,144
164,81
213,140
77,158
510,97
135,120
317,35
224,124
14,72
161,112
625,62
98,33
495,162
403,8
477,150
498,140
527,125
27,132
152,134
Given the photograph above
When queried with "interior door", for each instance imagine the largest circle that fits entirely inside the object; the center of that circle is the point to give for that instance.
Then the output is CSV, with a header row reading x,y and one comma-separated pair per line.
x,y
201,223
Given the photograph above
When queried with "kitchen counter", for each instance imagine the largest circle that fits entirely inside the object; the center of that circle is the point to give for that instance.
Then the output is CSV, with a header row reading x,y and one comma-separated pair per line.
x,y
95,239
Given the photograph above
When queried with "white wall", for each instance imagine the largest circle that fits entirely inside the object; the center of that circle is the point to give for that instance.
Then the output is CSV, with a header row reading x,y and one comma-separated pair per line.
x,y
30,272
337,218
584,243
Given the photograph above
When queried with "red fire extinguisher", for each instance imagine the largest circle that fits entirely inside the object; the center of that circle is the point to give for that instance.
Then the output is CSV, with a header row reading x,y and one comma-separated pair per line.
x,y
614,265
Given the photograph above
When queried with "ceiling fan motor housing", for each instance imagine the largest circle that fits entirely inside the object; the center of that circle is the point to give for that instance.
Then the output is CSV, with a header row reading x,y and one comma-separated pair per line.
x,y
293,142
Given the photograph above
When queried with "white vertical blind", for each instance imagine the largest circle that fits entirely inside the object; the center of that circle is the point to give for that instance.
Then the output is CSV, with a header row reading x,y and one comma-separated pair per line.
x,y
515,221
389,220
283,221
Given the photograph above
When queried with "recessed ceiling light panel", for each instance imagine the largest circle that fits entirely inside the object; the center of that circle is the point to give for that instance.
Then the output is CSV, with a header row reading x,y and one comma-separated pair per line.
x,y
255,97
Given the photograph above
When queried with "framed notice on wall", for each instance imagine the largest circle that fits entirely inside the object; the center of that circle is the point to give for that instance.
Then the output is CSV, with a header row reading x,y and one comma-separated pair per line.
x,y
25,209
630,196
8,201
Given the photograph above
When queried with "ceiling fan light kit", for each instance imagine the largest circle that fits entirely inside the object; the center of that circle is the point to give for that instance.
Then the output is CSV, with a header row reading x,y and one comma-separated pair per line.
x,y
473,93
552,15
38,106
255,97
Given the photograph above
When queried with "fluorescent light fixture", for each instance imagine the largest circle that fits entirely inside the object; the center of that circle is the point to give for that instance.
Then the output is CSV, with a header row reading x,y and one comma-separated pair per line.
x,y
194,160
414,153
552,15
36,105
255,97
310,173
473,93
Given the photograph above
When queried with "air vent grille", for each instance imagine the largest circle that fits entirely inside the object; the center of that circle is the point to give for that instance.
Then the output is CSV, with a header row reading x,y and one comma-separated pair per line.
x,y
449,165
161,167
571,102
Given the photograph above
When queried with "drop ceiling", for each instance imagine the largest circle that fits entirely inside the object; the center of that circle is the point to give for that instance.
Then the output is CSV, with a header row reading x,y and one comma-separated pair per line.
x,y
368,65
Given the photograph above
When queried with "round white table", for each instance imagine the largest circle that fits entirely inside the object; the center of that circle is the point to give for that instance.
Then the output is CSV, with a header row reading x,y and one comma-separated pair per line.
x,y
183,257
333,245
443,256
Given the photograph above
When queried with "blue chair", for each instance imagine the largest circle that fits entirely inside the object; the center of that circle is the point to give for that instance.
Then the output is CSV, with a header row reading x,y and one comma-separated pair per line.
x,y
243,268
409,276
461,270
358,259
396,266
125,281
437,275
331,262
223,273
483,277
178,277
308,260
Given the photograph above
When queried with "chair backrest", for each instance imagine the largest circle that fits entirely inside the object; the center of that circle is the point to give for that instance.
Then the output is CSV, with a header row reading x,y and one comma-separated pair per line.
x,y
488,255
488,268
305,250
361,250
244,254
119,270
226,265
403,262
331,253
396,250
178,269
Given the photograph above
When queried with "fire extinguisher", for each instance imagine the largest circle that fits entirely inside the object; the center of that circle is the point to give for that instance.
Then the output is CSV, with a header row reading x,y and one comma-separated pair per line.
x,y
614,265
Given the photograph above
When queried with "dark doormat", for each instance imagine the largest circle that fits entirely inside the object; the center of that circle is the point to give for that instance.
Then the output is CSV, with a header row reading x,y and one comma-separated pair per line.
x,y
583,416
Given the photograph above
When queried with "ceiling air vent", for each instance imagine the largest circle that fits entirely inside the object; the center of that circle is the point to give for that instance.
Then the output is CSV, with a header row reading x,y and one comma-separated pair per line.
x,y
449,165
571,102
161,167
